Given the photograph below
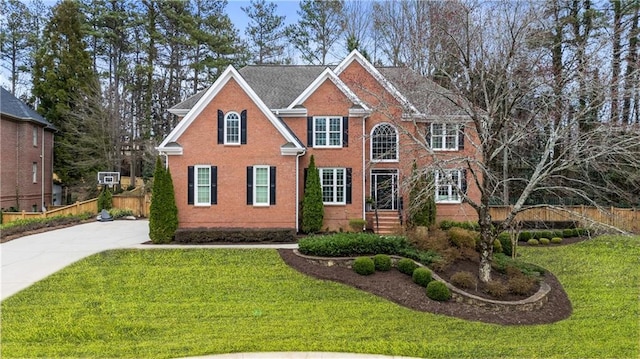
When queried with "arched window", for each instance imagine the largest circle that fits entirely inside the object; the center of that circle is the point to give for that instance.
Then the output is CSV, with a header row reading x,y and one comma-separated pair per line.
x,y
384,143
232,128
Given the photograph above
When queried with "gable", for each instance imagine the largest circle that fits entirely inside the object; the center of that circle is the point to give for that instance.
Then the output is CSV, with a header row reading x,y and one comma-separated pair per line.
x,y
328,78
229,82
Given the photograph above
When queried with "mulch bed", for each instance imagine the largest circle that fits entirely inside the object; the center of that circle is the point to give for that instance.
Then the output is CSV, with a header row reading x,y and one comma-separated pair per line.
x,y
399,288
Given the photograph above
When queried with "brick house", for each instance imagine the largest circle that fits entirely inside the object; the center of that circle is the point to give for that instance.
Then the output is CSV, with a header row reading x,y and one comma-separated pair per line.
x,y
26,144
239,153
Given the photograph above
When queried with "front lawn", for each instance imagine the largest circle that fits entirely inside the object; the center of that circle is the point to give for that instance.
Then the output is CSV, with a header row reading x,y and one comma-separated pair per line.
x,y
175,303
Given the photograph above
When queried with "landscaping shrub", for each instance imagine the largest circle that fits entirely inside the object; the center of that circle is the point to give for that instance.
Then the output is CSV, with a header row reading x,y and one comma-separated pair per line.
x,y
25,225
438,291
364,266
533,242
464,280
470,226
462,238
558,233
382,262
351,244
105,199
357,224
582,232
525,236
163,212
407,266
545,241
497,246
567,233
520,284
234,235
556,240
505,241
312,206
422,276
542,234
116,213
501,262
497,289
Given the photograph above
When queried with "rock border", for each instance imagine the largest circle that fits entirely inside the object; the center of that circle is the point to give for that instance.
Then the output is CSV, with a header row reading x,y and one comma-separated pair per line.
x,y
534,302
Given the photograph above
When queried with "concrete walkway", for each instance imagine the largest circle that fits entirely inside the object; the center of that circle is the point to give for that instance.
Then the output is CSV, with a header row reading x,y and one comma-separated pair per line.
x,y
29,259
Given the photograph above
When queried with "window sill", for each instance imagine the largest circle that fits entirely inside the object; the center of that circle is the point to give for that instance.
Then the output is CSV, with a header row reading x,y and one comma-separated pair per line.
x,y
333,204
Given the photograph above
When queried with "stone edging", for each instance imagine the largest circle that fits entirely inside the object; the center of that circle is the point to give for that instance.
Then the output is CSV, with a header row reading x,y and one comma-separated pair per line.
x,y
532,303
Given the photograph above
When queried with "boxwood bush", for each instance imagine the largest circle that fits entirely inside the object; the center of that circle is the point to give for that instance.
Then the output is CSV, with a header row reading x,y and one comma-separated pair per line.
x,y
438,291
501,262
234,235
364,266
350,244
382,262
422,276
407,266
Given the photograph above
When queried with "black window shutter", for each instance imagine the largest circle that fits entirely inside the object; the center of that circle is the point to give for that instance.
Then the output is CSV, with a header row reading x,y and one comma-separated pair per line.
x,y
272,185
220,127
463,181
427,135
310,131
345,131
214,185
190,185
461,138
243,127
249,184
304,185
348,181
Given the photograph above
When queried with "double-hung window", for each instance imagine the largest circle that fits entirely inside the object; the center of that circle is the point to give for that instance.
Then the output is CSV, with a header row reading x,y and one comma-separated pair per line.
x,y
35,136
327,131
449,185
34,172
202,185
232,129
261,185
333,183
445,136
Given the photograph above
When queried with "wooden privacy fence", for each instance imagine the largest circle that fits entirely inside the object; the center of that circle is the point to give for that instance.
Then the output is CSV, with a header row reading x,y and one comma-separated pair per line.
x,y
139,205
627,219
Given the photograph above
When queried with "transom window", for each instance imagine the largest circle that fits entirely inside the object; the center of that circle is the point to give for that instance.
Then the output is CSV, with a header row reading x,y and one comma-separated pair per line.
x,y
448,186
261,185
327,131
232,128
202,185
444,136
384,143
333,183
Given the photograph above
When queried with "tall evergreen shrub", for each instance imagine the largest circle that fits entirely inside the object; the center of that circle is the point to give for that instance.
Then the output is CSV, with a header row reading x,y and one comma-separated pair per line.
x,y
422,204
312,206
163,213
105,199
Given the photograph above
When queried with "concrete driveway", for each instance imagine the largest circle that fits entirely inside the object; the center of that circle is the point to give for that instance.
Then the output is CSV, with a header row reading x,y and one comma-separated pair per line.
x,y
29,259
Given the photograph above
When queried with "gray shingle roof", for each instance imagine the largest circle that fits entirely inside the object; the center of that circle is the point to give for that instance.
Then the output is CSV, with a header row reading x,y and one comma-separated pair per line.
x,y
427,96
12,106
279,85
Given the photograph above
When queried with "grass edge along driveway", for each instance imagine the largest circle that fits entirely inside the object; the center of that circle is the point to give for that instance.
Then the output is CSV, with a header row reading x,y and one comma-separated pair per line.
x,y
188,302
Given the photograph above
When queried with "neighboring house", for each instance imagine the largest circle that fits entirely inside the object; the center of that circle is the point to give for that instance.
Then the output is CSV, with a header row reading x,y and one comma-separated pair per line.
x,y
239,154
26,147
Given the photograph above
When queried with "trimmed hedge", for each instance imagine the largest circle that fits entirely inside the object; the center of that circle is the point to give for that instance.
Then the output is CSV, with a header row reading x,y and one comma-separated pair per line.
x,y
364,266
470,226
25,225
407,266
422,276
350,245
234,235
438,291
501,262
382,262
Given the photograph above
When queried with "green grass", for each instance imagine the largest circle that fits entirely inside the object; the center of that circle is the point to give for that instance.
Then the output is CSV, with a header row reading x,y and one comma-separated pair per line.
x,y
174,303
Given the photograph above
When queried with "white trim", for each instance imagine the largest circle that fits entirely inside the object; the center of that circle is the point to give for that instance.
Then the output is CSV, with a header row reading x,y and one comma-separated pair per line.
x,y
180,112
451,187
327,74
327,131
397,159
444,148
334,185
210,94
226,128
356,56
293,112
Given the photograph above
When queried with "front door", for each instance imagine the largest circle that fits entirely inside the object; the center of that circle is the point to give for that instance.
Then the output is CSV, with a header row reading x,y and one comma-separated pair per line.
x,y
384,189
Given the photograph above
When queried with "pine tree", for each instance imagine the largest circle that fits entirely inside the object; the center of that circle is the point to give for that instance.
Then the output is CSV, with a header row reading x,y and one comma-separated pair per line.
x,y
63,76
312,206
265,32
163,212
319,28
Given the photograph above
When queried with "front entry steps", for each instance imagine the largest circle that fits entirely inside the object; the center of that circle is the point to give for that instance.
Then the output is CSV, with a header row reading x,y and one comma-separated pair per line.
x,y
388,222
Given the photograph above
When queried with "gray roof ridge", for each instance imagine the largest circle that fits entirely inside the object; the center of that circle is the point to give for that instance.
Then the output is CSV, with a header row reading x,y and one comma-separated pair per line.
x,y
14,107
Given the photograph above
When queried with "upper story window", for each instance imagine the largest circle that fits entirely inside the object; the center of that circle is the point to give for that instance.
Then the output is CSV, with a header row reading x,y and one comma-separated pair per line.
x,y
447,136
384,143
34,172
327,131
232,129
35,136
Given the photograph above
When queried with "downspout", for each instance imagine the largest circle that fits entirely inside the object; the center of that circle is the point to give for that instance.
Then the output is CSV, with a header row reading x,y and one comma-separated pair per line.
x,y
297,204
364,195
42,159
